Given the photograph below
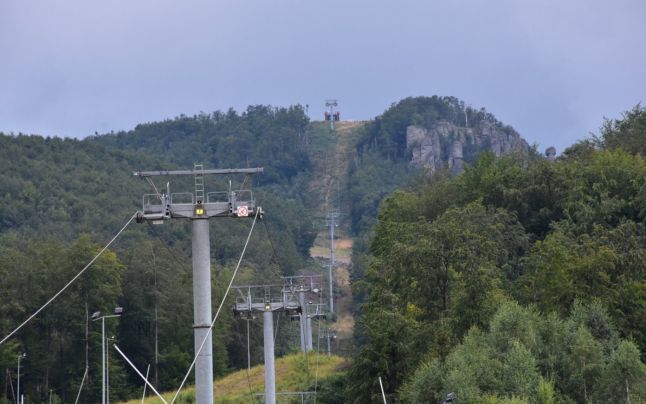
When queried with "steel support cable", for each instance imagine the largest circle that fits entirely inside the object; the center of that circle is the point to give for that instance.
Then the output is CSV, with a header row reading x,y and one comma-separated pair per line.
x,y
70,282
164,243
145,379
277,260
217,313
271,242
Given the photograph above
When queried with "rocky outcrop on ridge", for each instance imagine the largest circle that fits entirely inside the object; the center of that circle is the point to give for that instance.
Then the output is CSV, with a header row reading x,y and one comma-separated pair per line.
x,y
445,145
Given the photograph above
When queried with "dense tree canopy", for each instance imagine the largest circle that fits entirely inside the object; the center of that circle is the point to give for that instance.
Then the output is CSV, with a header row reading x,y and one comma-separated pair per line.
x,y
261,136
61,198
626,133
520,279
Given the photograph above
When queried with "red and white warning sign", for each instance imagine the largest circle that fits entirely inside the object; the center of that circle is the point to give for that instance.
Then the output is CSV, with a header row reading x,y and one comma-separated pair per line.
x,y
243,211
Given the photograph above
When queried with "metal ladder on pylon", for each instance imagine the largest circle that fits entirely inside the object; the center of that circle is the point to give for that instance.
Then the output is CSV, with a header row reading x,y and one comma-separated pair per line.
x,y
267,295
199,183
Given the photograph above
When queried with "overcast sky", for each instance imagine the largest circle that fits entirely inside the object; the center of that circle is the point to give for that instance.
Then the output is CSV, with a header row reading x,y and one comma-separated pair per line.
x,y
551,69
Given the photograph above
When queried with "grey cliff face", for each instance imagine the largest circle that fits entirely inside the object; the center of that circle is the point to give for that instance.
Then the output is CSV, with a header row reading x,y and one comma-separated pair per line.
x,y
448,145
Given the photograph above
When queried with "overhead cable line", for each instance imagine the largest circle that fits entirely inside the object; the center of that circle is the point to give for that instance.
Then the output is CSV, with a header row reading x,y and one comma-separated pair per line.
x,y
164,243
217,313
271,242
70,282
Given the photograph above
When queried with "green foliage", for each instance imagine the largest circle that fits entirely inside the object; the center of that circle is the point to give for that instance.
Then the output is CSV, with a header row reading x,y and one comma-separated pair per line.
x,y
387,133
394,339
447,275
470,368
55,342
624,376
603,190
608,264
66,187
332,389
513,324
527,186
519,371
382,162
564,238
53,190
261,136
507,363
369,183
588,357
545,393
465,249
628,133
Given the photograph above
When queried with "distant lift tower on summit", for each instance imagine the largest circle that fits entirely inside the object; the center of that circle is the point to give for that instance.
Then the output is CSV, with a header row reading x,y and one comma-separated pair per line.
x,y
332,116
199,207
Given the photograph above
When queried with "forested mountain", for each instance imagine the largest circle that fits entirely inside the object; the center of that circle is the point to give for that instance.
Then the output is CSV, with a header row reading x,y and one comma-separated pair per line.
x,y
418,136
387,134
512,279
65,186
261,136
520,280
415,138
64,198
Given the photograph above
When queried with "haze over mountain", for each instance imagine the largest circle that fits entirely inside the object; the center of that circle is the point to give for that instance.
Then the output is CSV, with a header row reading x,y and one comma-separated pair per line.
x,y
550,69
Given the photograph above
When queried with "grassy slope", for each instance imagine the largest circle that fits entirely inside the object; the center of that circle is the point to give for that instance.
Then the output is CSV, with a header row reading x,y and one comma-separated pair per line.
x,y
294,372
332,152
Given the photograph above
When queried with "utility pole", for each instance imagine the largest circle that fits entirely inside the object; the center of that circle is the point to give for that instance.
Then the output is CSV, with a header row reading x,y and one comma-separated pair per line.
x,y
19,394
329,335
152,251
329,345
266,299
331,218
87,343
199,208
107,368
118,311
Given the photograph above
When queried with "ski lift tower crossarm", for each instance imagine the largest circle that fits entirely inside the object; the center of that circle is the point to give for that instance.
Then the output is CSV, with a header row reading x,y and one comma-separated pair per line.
x,y
199,207
332,116
158,207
